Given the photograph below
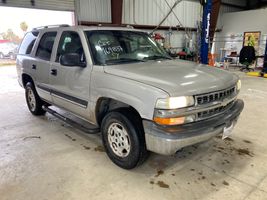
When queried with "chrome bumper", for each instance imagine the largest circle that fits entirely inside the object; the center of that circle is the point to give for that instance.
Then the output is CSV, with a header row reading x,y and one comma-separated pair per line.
x,y
168,140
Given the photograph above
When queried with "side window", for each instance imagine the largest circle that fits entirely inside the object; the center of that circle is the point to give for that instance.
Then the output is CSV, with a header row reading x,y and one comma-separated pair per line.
x,y
28,42
70,42
45,46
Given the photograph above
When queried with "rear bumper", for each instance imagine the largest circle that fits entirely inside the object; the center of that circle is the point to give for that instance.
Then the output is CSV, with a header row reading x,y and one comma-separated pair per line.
x,y
167,140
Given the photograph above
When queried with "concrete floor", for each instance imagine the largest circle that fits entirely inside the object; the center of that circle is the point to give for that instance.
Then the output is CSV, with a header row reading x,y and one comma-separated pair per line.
x,y
42,158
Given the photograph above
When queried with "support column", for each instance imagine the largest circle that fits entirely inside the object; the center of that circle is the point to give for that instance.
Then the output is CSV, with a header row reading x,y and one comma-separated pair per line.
x,y
116,12
216,4
207,5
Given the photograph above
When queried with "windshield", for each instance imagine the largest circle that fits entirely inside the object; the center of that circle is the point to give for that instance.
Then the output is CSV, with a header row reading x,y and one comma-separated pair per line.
x,y
111,47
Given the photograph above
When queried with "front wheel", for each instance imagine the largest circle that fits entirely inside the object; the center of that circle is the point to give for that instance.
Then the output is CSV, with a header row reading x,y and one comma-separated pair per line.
x,y
33,100
123,139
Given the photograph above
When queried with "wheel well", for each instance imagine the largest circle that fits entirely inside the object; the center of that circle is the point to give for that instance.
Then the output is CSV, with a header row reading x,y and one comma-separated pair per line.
x,y
105,105
25,79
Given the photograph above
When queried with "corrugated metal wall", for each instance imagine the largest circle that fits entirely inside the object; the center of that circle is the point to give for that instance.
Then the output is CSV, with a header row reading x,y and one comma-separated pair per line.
x,y
144,12
64,5
93,10
151,12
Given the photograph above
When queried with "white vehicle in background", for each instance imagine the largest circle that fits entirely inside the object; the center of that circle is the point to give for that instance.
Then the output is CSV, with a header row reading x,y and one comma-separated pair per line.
x,y
8,50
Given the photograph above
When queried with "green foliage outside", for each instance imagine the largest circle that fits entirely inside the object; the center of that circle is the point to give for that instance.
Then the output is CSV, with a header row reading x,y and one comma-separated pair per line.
x,y
24,26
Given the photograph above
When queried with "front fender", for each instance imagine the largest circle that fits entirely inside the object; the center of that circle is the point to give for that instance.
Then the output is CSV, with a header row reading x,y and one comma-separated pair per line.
x,y
140,96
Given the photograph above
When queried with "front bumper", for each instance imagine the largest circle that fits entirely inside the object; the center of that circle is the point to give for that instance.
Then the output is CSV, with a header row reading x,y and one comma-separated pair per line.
x,y
169,139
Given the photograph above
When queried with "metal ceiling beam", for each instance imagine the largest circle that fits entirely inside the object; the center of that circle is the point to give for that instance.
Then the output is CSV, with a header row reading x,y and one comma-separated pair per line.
x,y
255,4
263,3
140,26
259,3
248,4
234,5
116,11
33,2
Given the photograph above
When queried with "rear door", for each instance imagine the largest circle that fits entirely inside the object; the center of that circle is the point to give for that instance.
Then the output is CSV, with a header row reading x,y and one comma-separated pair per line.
x,y
70,85
42,64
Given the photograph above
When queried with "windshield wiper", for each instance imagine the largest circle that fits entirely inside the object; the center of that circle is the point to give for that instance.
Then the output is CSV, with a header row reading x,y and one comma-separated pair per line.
x,y
156,57
122,60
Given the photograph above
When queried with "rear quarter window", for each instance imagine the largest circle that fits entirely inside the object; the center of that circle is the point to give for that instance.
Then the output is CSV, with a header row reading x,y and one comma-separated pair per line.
x,y
28,42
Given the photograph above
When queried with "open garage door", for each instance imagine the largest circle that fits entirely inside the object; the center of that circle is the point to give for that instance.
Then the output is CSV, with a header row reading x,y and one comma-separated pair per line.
x,y
61,5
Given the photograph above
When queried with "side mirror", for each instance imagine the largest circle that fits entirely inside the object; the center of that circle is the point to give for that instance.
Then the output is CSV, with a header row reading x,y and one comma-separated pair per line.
x,y
71,59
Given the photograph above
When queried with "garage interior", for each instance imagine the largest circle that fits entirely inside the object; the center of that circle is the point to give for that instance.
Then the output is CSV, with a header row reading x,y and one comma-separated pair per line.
x,y
45,158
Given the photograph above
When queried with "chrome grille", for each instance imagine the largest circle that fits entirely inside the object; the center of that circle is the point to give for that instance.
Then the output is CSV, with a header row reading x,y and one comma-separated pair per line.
x,y
214,96
212,112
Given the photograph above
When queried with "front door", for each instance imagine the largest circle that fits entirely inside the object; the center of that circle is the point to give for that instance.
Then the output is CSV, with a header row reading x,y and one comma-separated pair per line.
x,y
70,85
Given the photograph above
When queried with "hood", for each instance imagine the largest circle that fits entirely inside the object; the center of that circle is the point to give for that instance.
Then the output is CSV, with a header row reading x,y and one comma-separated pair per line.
x,y
176,77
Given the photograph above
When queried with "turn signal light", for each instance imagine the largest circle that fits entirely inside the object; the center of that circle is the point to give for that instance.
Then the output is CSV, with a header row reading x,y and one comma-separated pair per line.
x,y
169,121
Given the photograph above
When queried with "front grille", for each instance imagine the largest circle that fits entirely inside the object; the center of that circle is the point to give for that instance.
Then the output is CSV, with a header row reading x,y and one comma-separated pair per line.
x,y
212,112
214,96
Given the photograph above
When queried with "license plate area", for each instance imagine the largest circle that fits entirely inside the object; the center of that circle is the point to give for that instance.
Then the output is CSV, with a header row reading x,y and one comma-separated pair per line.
x,y
227,130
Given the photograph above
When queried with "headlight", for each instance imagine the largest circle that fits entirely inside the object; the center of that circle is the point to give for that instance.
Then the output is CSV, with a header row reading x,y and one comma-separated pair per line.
x,y
238,85
166,112
175,102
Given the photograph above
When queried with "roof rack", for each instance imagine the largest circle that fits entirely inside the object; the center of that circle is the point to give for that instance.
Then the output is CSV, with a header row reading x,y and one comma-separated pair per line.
x,y
106,24
116,25
50,26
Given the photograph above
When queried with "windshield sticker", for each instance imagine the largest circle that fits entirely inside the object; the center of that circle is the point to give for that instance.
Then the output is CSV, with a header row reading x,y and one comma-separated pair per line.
x,y
107,47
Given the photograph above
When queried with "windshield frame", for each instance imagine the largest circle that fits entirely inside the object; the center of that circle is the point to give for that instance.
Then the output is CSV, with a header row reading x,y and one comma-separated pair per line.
x,y
88,33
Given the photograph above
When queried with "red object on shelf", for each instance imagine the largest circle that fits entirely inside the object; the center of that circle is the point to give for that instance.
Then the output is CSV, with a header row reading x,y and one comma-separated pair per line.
x,y
182,53
157,36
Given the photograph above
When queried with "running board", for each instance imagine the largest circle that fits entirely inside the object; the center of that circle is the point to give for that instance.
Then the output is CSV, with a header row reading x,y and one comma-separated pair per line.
x,y
72,122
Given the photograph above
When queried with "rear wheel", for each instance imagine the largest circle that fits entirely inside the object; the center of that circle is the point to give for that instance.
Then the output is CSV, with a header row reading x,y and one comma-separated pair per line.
x,y
123,139
33,100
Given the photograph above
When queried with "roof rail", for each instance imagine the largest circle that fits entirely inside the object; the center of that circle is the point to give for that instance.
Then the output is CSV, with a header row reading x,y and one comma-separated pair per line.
x,y
106,25
129,26
50,26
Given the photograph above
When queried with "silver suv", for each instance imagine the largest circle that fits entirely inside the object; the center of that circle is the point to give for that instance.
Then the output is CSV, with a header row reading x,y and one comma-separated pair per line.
x,y
124,85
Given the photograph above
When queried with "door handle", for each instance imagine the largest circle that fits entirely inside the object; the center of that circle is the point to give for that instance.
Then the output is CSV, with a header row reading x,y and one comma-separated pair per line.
x,y
53,72
33,66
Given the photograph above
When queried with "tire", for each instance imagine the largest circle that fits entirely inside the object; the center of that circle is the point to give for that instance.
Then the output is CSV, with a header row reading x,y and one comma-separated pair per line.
x,y
1,55
123,139
33,100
